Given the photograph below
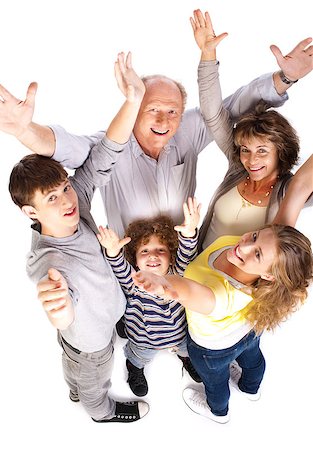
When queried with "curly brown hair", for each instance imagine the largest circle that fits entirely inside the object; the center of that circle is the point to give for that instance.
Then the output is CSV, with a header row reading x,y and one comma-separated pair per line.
x,y
141,230
274,301
267,124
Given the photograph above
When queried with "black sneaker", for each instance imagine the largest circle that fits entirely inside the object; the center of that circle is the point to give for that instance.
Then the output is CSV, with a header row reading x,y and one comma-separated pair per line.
x,y
120,328
190,369
127,412
136,380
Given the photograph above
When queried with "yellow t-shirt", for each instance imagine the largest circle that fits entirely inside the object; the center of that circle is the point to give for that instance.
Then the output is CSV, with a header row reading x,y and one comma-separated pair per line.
x,y
226,324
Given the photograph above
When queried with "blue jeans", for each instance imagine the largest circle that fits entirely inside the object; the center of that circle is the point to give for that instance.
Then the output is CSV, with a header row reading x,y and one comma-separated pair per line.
x,y
213,368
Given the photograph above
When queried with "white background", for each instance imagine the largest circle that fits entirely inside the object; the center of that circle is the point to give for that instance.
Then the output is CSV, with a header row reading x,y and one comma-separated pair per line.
x,y
69,47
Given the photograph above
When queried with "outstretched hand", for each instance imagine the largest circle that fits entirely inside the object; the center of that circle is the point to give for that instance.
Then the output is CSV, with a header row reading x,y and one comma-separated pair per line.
x,y
52,293
128,81
204,33
297,63
154,284
191,218
110,241
16,114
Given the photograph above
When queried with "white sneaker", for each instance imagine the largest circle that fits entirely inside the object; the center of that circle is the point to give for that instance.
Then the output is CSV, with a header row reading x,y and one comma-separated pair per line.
x,y
235,375
196,401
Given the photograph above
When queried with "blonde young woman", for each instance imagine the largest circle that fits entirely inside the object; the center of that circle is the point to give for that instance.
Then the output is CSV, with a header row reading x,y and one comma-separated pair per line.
x,y
261,149
232,291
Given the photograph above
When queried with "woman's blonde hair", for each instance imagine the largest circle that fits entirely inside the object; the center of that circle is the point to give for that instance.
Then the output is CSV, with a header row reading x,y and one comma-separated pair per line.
x,y
274,301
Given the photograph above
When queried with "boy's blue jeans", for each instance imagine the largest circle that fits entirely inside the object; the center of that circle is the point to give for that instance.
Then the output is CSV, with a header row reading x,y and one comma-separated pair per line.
x,y
213,368
139,356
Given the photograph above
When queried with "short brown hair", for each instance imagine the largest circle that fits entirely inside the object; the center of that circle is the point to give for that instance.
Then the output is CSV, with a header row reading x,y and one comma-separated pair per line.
x,y
33,173
268,124
141,230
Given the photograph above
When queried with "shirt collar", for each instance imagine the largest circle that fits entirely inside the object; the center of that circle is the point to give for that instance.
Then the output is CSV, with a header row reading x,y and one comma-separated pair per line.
x,y
137,150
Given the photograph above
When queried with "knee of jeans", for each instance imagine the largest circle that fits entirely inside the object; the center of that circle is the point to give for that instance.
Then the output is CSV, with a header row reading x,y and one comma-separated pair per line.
x,y
134,356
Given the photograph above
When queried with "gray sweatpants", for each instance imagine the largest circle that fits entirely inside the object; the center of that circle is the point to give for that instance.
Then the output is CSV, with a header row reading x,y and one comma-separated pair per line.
x,y
89,376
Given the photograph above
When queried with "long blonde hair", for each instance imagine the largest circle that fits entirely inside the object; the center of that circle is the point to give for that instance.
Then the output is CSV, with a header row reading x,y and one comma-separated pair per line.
x,y
274,301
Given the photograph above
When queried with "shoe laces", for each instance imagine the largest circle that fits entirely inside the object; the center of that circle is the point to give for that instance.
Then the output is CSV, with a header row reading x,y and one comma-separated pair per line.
x,y
138,378
197,398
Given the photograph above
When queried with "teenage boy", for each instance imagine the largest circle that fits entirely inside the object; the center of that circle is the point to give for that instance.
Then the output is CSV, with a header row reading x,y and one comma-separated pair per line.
x,y
76,285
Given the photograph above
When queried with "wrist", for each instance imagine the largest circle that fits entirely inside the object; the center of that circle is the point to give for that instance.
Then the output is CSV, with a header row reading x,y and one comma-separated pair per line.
x,y
23,133
286,79
189,234
135,101
208,55
112,253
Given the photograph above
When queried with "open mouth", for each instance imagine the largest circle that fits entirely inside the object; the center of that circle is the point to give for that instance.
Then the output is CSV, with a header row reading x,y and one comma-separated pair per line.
x,y
237,254
256,169
159,132
70,212
153,265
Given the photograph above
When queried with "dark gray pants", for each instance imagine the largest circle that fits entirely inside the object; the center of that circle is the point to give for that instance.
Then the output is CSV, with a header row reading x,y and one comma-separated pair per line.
x,y
89,376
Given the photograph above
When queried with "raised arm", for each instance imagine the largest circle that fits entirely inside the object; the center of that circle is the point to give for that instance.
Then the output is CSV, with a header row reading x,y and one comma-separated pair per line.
x,y
191,210
133,89
215,115
188,236
299,190
190,294
270,88
16,119
96,170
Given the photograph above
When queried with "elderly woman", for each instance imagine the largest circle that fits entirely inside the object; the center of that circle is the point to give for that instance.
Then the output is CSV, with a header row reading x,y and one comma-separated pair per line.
x,y
261,149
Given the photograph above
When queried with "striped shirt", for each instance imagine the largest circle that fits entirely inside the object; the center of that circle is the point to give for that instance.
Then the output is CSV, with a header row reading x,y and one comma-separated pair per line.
x,y
150,321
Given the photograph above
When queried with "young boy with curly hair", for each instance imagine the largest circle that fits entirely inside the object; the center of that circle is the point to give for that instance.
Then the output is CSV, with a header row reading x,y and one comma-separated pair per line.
x,y
153,245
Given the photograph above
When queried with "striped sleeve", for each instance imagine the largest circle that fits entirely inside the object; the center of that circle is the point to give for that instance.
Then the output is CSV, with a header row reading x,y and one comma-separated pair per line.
x,y
122,270
186,252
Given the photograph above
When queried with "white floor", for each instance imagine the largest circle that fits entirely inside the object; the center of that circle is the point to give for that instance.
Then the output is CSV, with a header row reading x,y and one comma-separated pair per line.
x,y
37,414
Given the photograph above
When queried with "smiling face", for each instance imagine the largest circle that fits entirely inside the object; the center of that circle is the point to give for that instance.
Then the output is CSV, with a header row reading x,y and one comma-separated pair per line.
x,y
159,115
255,253
56,210
259,158
153,256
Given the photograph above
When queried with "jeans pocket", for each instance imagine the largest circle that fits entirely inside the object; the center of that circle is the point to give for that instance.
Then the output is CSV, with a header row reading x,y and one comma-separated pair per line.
x,y
69,356
219,358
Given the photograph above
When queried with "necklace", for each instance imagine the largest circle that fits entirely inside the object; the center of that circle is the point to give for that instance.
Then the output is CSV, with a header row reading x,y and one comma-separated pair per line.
x,y
267,193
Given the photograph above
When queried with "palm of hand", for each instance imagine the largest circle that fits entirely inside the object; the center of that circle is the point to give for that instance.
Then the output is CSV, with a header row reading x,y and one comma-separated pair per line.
x,y
205,38
296,64
111,243
15,114
133,81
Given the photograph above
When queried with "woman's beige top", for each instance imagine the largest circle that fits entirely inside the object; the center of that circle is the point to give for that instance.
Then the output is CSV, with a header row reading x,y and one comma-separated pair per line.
x,y
233,215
